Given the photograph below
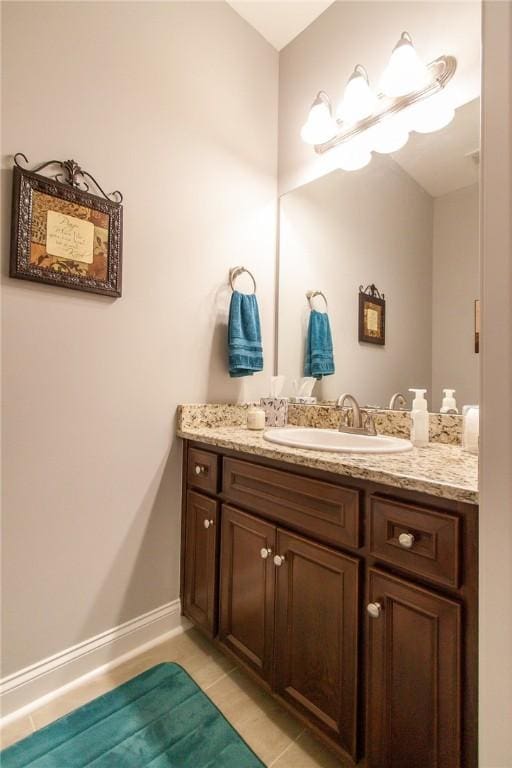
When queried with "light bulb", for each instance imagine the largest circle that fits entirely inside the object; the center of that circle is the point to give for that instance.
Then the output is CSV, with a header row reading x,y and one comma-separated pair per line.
x,y
353,154
359,101
430,114
405,72
389,135
320,125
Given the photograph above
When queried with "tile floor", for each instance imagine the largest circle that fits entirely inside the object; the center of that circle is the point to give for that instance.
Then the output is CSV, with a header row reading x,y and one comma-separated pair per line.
x,y
278,739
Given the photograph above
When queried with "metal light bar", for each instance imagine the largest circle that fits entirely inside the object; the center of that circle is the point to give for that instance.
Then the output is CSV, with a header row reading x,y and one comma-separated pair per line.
x,y
443,69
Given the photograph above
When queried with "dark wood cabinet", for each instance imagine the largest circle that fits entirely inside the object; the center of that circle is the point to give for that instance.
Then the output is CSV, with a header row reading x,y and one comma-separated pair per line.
x,y
289,611
414,676
353,603
246,625
200,567
317,635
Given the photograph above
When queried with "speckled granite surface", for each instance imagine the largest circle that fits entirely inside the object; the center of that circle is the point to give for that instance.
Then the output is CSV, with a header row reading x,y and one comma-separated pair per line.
x,y
212,415
444,428
440,470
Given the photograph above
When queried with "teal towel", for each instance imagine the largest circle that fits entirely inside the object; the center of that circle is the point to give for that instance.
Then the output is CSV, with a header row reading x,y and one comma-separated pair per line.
x,y
244,335
319,359
159,719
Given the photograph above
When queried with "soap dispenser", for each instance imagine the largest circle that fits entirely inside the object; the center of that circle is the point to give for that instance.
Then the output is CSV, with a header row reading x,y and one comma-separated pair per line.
x,y
449,404
420,419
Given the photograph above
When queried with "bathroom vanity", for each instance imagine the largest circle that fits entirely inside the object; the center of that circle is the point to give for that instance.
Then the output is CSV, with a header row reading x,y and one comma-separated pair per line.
x,y
347,586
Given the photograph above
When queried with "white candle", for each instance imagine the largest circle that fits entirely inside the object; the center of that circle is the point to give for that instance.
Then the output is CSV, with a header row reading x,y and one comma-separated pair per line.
x,y
255,418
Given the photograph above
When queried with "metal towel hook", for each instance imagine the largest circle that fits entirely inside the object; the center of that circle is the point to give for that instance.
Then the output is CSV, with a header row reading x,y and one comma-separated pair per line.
x,y
311,295
235,272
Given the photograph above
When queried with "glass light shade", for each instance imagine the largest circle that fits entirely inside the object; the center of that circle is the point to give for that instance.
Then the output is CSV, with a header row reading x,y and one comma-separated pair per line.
x,y
354,153
389,135
359,101
405,72
430,114
320,125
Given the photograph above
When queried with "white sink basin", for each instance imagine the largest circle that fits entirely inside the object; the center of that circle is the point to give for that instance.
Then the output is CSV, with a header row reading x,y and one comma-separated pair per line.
x,y
332,440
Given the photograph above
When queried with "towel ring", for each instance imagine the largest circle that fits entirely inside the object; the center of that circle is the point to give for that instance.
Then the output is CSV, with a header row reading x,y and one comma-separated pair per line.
x,y
311,295
235,272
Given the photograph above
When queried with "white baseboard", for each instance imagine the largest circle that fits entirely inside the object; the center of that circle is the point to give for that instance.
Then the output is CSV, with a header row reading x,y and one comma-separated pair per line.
x,y
33,686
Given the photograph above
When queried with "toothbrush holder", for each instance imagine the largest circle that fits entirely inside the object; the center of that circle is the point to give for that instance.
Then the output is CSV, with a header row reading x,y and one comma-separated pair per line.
x,y
276,411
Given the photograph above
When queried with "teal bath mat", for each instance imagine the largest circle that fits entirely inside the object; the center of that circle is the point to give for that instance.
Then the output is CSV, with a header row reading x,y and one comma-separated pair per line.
x,y
160,719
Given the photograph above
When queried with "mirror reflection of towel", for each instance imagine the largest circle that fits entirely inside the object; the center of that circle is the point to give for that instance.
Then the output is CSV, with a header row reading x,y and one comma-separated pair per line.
x,y
319,359
244,335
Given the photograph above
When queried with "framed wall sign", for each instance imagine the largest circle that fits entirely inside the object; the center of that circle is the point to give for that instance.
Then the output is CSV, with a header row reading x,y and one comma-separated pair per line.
x,y
372,315
62,234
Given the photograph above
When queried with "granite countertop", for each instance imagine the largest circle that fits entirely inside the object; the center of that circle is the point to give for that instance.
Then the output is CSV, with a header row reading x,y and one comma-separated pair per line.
x,y
438,469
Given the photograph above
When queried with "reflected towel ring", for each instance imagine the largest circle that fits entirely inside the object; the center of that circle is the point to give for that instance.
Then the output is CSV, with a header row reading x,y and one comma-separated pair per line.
x,y
311,295
235,272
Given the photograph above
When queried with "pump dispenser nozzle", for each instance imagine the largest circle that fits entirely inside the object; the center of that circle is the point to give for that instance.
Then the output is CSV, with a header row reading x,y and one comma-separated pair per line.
x,y
419,403
449,404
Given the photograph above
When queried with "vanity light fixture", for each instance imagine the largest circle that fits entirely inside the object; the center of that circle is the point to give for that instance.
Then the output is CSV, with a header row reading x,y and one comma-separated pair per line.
x,y
359,101
431,115
412,99
355,154
405,72
321,125
389,135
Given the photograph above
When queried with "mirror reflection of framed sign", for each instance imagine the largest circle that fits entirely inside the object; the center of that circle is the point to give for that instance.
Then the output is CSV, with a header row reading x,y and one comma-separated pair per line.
x,y
61,233
372,315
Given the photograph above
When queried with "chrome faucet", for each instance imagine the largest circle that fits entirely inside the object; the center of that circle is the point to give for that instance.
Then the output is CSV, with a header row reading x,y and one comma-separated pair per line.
x,y
357,426
398,402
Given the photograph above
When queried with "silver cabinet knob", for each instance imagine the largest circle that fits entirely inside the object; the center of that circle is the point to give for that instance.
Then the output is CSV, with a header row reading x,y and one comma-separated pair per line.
x,y
278,560
374,610
264,553
406,540
199,469
207,523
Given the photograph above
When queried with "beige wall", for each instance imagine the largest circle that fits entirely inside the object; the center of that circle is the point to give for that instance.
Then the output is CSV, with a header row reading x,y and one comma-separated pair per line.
x,y
348,229
176,105
496,383
324,55
455,287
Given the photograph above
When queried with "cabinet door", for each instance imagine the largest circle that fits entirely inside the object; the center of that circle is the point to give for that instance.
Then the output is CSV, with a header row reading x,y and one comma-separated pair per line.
x,y
247,589
414,678
200,577
317,635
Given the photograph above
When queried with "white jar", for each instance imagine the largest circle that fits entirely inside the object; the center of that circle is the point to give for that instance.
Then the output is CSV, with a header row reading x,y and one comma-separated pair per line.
x,y
255,418
470,428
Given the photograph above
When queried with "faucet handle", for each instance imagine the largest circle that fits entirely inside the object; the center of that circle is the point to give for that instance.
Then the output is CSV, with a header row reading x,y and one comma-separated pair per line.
x,y
347,416
369,424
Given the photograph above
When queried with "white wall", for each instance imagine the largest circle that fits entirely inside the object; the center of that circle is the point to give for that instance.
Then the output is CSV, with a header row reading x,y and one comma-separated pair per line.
x,y
175,104
496,385
348,229
456,277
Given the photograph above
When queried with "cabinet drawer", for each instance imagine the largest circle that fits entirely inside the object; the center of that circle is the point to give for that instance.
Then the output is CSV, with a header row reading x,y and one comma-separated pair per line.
x,y
202,470
418,540
329,512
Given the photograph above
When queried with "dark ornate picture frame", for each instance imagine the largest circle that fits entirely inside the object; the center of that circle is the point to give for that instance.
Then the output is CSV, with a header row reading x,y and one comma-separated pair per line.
x,y
33,193
372,315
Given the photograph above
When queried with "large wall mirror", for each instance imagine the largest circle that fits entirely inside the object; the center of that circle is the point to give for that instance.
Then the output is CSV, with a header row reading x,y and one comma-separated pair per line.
x,y
408,224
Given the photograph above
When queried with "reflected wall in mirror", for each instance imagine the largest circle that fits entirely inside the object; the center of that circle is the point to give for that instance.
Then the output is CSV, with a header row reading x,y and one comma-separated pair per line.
x,y
407,223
